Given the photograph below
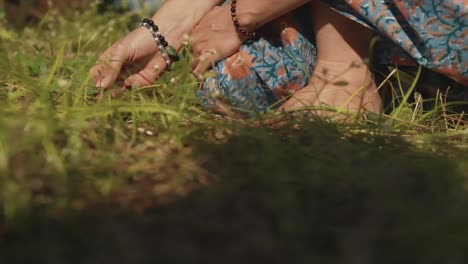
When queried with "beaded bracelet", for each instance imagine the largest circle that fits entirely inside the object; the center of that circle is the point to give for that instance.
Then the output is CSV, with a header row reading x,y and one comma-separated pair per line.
x,y
169,53
235,19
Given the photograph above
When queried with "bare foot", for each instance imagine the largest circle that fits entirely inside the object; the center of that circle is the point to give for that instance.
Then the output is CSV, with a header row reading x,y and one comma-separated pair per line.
x,y
338,87
342,81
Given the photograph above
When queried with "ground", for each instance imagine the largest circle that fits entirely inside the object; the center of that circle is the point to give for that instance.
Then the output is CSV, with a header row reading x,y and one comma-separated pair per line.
x,y
154,177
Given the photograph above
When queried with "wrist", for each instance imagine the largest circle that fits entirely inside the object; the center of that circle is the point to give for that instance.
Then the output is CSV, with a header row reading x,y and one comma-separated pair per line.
x,y
174,34
255,14
177,18
247,17
168,52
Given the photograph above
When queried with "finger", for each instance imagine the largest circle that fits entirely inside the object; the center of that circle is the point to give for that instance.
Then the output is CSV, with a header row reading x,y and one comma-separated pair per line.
x,y
114,93
198,46
149,74
118,92
207,60
109,65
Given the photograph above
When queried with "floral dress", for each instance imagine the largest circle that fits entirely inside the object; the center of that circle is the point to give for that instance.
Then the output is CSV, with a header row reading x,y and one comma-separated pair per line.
x,y
431,33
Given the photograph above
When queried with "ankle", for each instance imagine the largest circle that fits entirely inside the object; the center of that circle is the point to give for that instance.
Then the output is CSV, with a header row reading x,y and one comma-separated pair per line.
x,y
343,73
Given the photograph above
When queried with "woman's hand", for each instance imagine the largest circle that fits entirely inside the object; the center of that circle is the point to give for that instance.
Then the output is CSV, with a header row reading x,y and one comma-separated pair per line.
x,y
135,59
214,38
131,60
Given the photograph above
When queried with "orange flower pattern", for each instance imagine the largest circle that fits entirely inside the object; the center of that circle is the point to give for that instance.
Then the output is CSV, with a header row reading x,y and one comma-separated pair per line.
x,y
431,33
238,66
264,70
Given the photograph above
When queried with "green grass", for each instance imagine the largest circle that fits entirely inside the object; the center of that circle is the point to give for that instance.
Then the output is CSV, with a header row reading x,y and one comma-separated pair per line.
x,y
81,184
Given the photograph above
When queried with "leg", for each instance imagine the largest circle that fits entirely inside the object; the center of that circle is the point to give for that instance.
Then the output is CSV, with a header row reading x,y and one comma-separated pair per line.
x,y
341,78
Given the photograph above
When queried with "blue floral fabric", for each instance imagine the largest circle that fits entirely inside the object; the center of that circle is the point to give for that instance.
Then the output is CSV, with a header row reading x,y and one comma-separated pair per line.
x,y
431,33
263,72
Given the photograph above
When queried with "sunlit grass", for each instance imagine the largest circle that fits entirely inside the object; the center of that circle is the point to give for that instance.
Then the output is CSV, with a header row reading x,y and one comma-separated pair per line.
x,y
56,139
53,128
61,151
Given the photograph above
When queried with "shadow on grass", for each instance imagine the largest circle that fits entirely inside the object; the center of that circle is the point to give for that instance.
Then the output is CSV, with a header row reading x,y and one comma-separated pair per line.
x,y
309,195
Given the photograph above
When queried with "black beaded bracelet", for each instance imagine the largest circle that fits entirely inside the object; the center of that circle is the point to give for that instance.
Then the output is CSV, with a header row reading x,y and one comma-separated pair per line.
x,y
235,20
169,53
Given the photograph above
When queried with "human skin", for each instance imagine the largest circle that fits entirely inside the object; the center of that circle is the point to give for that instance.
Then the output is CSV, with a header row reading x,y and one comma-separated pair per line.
x,y
253,16
340,42
215,37
133,58
341,79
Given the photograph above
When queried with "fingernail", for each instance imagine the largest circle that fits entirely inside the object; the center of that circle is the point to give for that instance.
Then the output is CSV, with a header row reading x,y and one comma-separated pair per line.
x,y
127,84
117,92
